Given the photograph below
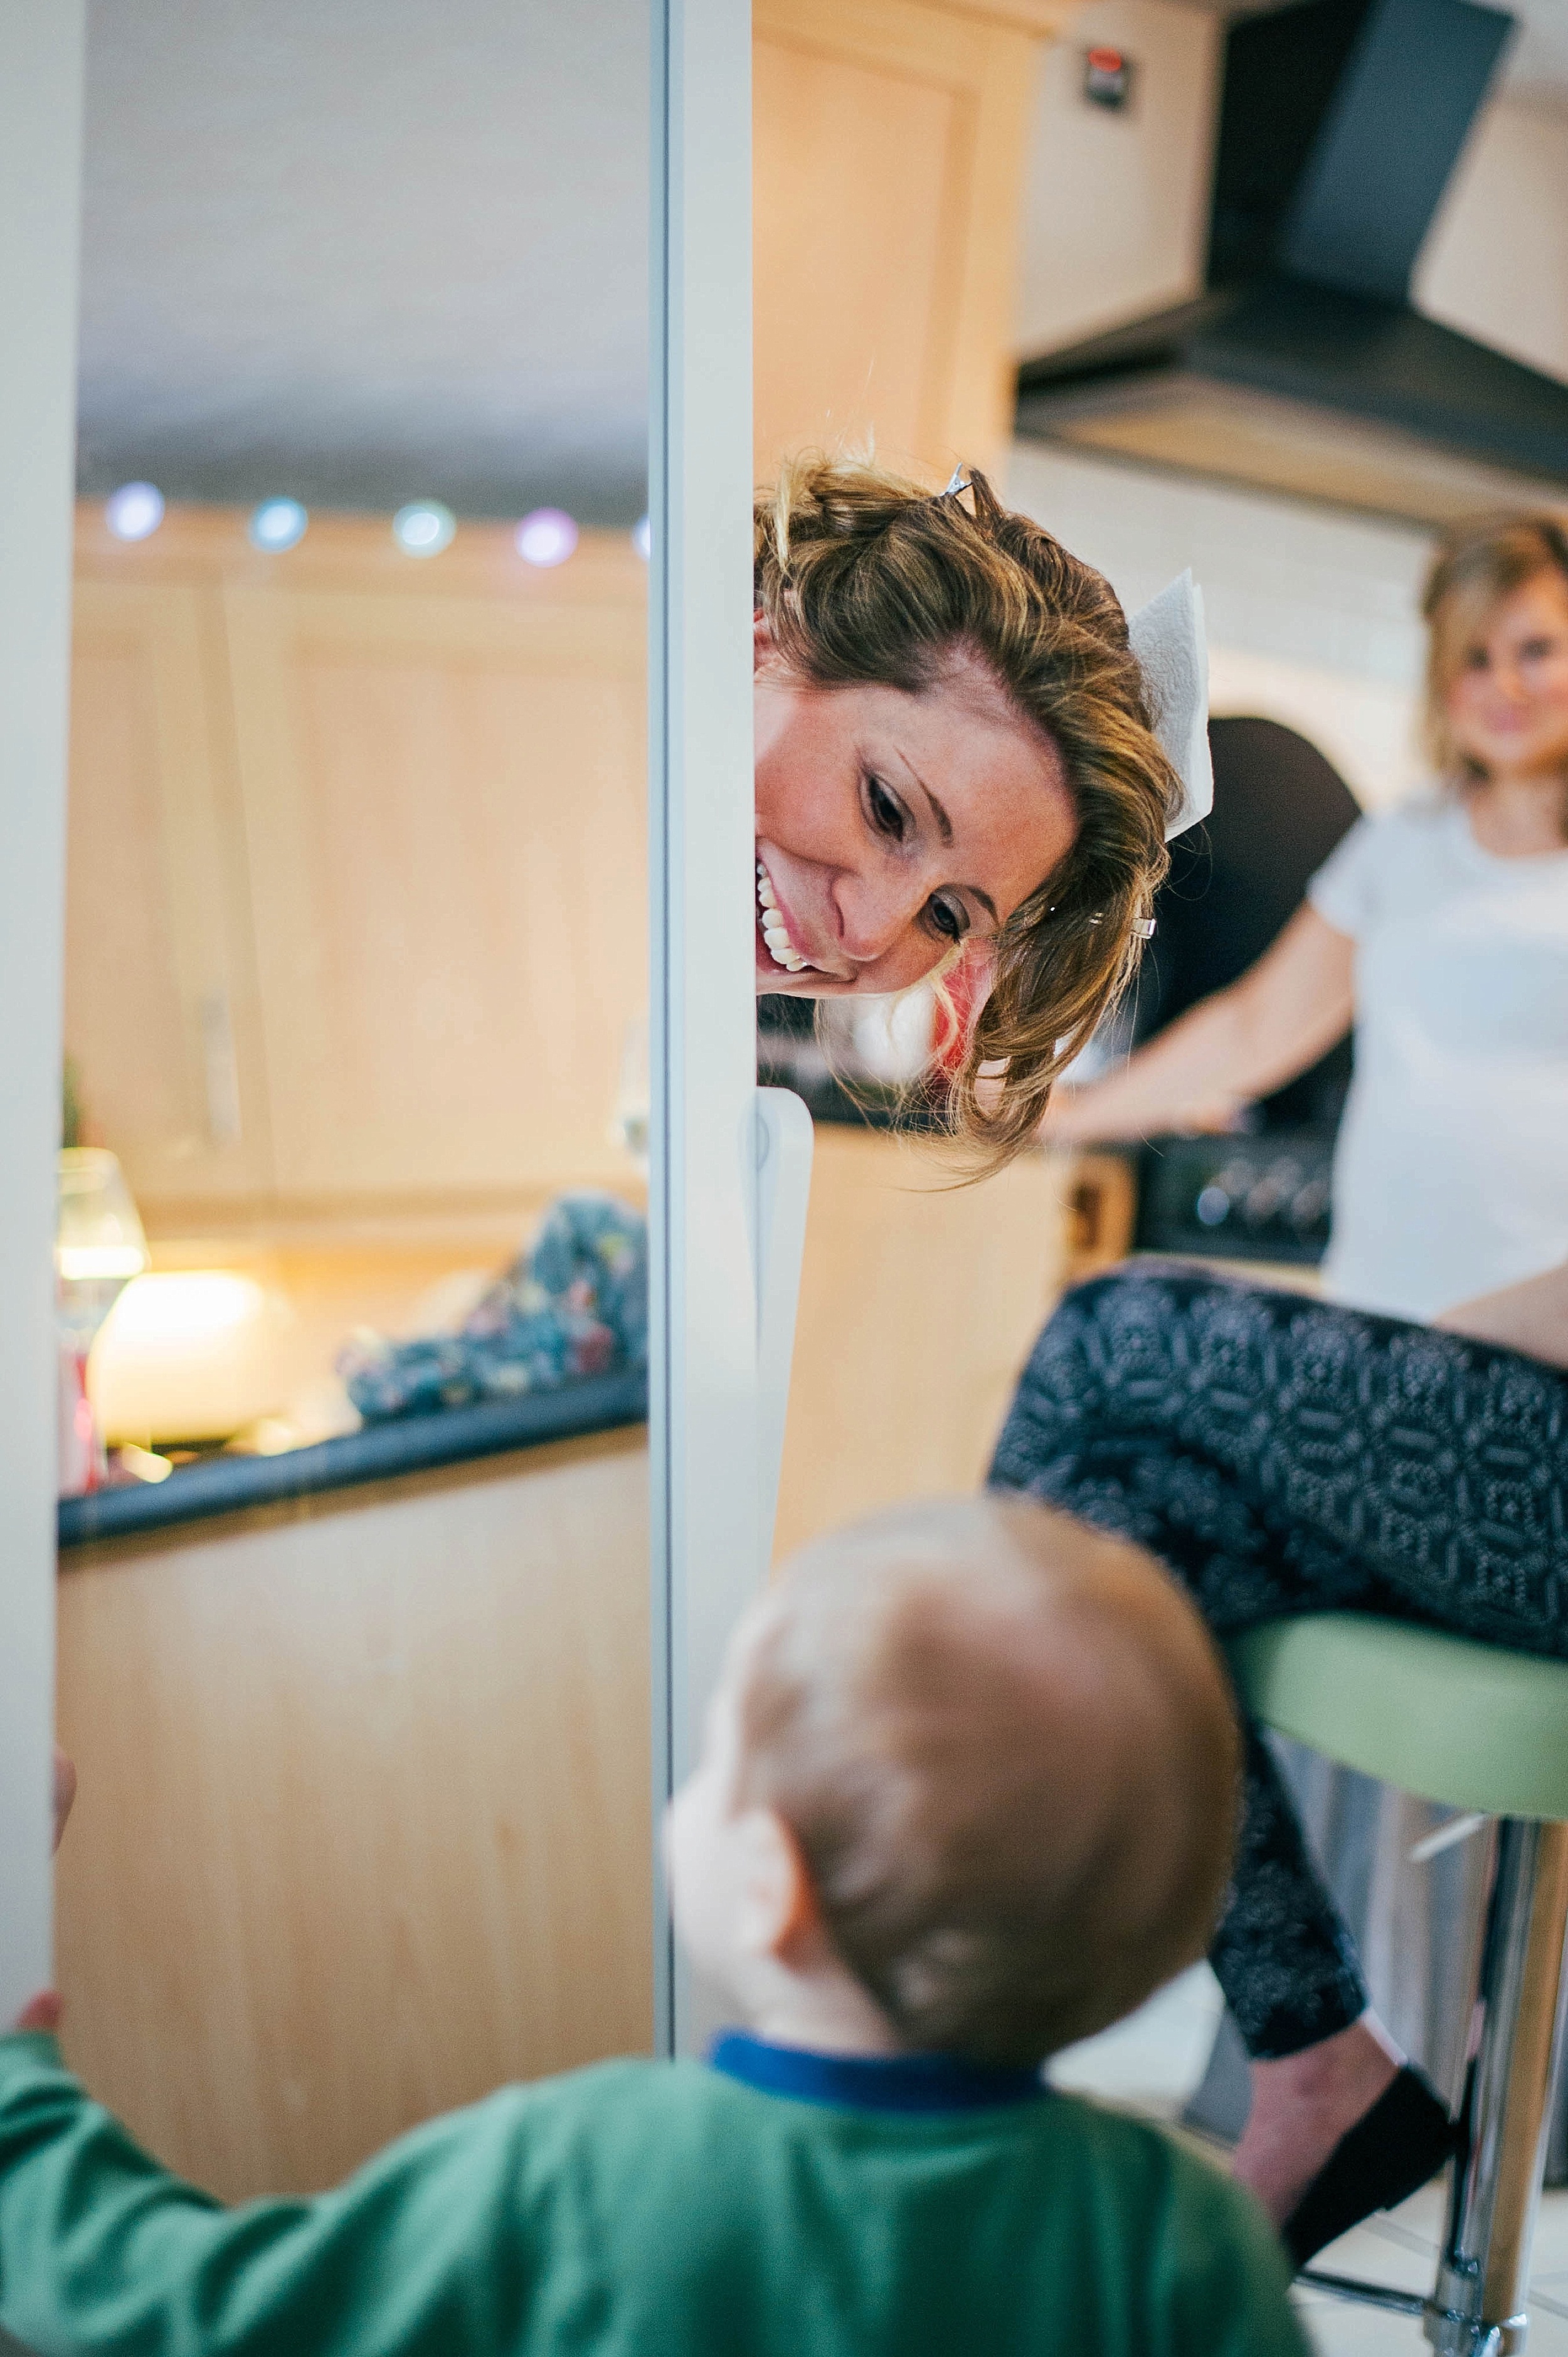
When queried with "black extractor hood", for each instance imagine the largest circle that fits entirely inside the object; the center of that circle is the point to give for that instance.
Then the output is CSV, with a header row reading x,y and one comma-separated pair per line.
x,y
1303,368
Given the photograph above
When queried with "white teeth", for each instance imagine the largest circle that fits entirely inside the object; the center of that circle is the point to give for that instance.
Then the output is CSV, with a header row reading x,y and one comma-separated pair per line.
x,y
780,948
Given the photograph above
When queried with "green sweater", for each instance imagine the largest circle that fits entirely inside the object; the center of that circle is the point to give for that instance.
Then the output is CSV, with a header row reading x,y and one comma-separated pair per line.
x,y
643,2210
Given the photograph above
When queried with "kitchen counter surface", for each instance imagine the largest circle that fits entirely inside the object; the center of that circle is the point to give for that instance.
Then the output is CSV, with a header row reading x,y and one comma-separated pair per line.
x,y
225,1484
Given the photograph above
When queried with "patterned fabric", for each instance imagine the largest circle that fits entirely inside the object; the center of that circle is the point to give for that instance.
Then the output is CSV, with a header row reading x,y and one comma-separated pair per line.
x,y
575,1304
1285,1457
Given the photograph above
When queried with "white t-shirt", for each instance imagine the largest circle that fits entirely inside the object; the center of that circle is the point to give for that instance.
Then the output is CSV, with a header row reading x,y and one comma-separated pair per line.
x,y
1451,1175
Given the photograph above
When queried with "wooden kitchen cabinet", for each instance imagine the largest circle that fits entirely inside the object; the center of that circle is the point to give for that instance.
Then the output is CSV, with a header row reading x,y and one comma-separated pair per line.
x,y
920,1299
160,1011
888,181
444,825
364,1829
358,866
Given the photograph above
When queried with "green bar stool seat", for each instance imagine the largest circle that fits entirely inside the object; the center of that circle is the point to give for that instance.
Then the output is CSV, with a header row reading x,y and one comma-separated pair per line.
x,y
1483,1730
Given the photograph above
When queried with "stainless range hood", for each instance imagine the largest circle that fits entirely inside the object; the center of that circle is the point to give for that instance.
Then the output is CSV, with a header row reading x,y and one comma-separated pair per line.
x,y
1303,369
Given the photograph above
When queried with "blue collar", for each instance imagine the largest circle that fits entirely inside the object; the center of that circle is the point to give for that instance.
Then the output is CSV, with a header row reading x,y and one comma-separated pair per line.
x,y
874,2082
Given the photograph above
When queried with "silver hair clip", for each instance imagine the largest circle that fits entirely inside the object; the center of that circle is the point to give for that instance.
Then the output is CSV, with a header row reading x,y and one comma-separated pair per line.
x,y
1143,927
955,485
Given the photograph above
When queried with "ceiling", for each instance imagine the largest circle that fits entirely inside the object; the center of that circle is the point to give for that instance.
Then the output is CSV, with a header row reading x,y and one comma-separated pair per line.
x,y
361,250
365,250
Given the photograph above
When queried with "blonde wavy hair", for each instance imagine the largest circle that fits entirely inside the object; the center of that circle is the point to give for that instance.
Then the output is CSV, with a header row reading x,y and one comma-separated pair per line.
x,y
866,577
1478,565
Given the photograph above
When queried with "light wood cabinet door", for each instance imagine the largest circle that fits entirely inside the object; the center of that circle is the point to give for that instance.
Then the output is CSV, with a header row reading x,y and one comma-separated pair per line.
x,y
890,148
920,1301
445,832
364,1827
160,1011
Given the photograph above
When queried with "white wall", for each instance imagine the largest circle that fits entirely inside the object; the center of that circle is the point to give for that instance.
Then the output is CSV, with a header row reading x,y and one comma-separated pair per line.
x,y
1116,215
1495,263
1312,615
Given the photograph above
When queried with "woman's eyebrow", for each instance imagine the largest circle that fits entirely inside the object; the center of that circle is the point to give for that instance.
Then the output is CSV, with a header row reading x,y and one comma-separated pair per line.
x,y
944,823
944,828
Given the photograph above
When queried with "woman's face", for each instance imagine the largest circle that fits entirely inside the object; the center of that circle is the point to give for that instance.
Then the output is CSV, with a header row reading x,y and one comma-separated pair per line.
x,y
1508,707
891,826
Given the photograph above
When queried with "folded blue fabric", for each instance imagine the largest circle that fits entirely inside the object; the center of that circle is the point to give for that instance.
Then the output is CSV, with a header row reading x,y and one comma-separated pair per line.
x,y
573,1304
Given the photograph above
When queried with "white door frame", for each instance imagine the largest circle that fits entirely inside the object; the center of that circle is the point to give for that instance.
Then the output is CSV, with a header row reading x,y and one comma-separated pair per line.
x,y
41,54
705,1543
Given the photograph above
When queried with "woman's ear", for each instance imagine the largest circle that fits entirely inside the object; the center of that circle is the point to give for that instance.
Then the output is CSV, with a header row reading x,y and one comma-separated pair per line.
x,y
762,646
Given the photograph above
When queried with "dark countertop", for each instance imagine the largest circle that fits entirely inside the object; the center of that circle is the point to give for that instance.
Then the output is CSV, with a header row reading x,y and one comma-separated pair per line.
x,y
227,1485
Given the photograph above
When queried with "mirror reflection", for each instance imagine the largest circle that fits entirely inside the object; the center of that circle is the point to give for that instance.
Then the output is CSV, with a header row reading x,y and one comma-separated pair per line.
x,y
352,1251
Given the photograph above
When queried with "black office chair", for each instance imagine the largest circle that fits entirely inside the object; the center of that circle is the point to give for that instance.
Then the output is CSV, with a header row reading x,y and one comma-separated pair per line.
x,y
1280,807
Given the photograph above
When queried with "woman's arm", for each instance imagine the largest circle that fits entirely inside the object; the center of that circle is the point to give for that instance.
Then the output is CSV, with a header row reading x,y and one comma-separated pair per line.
x,y
1286,1012
1532,1317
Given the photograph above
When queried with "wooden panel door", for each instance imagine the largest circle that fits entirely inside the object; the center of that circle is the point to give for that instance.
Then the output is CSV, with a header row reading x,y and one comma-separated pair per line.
x,y
160,1012
919,1300
445,817
888,174
364,1820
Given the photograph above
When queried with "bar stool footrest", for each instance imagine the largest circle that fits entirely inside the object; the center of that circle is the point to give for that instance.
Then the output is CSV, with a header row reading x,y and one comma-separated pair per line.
x,y
1466,2338
1403,2303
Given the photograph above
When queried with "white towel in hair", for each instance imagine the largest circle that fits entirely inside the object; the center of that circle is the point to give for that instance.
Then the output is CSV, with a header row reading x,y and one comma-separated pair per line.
x,y
1169,640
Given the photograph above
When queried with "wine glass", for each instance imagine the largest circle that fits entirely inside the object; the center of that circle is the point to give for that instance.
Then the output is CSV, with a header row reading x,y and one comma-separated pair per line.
x,y
99,1248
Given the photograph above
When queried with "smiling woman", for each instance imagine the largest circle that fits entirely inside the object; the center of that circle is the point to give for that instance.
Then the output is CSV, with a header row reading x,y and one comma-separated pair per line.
x,y
1439,929
955,746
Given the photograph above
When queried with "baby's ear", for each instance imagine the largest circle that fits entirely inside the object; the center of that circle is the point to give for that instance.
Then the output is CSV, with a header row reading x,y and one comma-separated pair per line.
x,y
778,1903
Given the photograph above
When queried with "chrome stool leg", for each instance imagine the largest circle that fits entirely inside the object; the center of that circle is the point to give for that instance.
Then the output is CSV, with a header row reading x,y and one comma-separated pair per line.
x,y
1478,2306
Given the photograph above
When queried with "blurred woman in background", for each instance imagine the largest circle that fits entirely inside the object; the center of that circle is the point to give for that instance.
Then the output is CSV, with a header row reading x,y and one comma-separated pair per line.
x,y
1440,931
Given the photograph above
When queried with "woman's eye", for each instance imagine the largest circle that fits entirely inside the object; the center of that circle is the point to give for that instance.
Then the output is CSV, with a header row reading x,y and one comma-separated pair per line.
x,y
948,917
887,813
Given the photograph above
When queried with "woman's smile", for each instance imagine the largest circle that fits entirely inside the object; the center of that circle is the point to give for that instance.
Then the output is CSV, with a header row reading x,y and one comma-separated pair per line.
x,y
778,941
1507,706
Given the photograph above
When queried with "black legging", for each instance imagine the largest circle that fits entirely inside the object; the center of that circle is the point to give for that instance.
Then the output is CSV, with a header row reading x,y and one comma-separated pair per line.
x,y
1284,1457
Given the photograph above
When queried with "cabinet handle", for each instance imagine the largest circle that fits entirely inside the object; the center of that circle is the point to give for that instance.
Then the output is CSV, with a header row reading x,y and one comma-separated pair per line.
x,y
220,1071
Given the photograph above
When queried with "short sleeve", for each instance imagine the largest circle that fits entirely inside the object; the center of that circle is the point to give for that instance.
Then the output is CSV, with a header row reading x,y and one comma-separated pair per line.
x,y
1344,890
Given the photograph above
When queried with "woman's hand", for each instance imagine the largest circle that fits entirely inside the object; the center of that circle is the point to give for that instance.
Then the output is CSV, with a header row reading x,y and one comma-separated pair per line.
x,y
1244,1043
1531,1317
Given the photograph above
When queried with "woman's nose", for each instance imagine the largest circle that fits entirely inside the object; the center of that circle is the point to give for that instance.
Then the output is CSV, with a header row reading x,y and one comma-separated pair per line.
x,y
876,913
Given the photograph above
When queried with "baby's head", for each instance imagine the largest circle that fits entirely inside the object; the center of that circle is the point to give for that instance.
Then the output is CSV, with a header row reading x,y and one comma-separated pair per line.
x,y
969,1785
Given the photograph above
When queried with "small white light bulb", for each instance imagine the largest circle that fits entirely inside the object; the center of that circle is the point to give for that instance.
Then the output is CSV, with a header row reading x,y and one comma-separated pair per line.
x,y
278,524
423,528
642,538
135,511
548,536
